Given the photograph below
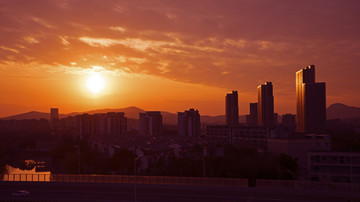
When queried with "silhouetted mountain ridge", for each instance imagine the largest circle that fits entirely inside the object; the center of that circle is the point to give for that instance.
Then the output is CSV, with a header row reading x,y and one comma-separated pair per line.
x,y
342,111
131,112
28,115
334,111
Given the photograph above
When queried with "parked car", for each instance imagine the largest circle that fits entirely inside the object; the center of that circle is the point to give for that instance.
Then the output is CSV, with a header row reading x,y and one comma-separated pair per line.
x,y
21,193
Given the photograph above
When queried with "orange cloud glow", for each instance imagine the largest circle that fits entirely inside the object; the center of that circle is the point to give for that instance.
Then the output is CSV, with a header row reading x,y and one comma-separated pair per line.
x,y
173,55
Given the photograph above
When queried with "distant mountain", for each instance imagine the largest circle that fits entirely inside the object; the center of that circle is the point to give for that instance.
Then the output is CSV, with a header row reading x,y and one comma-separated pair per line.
x,y
213,119
169,118
341,111
130,112
28,115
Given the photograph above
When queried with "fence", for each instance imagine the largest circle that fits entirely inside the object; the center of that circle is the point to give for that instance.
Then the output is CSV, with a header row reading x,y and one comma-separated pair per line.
x,y
195,181
26,177
126,179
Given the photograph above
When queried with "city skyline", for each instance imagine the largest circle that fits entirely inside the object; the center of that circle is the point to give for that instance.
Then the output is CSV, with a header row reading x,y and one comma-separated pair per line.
x,y
188,56
157,100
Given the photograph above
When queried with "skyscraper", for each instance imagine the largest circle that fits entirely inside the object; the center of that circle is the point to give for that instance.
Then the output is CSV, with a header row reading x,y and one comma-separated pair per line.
x,y
310,102
54,114
54,118
150,123
265,105
232,109
189,123
253,117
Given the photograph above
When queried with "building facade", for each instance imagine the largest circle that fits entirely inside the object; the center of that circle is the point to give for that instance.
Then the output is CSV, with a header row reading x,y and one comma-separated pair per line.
x,y
265,105
243,136
109,124
54,115
310,102
232,109
289,121
150,123
299,148
189,123
341,167
252,119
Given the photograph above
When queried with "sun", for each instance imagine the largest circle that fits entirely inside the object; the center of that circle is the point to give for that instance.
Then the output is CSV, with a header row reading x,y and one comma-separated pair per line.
x,y
95,82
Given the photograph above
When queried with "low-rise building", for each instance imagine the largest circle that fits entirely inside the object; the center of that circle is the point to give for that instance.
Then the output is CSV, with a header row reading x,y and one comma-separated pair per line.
x,y
109,124
343,167
243,136
299,148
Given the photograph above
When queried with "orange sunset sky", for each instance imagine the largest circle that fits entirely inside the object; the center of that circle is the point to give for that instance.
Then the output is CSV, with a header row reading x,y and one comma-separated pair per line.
x,y
173,55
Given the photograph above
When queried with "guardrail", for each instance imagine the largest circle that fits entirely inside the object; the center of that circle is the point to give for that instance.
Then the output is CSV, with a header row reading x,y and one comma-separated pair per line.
x,y
126,179
194,181
26,177
149,180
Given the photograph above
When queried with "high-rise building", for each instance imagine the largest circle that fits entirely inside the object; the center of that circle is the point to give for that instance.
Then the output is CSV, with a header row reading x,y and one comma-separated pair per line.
x,y
189,123
310,102
276,119
289,121
54,115
265,105
109,124
253,117
150,123
232,109
54,118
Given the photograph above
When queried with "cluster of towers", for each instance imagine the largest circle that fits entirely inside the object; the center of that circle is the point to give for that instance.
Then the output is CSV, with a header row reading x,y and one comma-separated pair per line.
x,y
261,113
310,104
310,114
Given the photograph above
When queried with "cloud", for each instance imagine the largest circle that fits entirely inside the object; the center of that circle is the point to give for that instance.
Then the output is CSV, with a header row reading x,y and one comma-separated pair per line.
x,y
235,44
118,29
42,22
64,41
100,42
240,43
31,39
9,49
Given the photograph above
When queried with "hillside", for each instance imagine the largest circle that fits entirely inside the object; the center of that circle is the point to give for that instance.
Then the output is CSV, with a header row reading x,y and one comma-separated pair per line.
x,y
130,112
28,115
341,111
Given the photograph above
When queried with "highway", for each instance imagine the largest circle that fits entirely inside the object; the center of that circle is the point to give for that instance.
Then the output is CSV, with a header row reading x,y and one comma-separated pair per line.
x,y
45,191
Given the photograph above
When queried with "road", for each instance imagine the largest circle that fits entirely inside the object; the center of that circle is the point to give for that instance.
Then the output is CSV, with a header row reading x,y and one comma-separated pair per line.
x,y
42,191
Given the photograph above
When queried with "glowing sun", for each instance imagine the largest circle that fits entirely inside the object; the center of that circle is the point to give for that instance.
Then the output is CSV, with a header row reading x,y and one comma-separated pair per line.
x,y
95,82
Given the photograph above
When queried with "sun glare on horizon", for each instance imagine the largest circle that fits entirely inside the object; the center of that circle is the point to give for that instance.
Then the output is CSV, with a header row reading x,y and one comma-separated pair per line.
x,y
95,82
